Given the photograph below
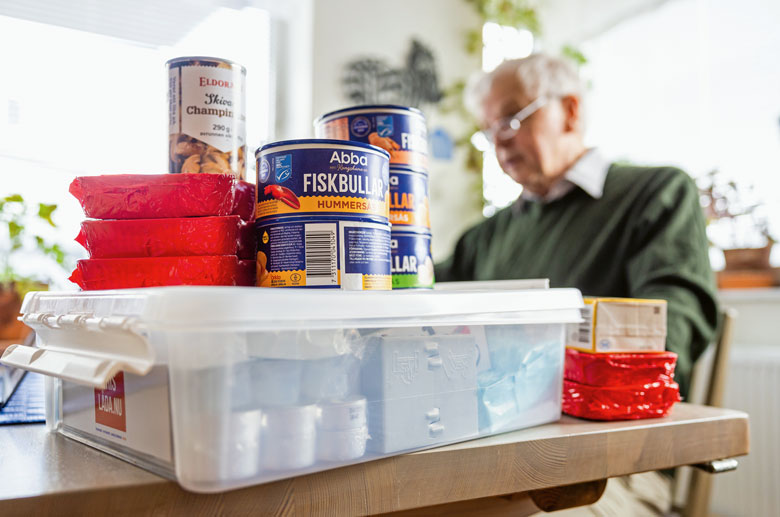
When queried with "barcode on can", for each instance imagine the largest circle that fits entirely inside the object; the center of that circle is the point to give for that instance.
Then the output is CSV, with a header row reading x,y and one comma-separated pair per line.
x,y
321,261
585,331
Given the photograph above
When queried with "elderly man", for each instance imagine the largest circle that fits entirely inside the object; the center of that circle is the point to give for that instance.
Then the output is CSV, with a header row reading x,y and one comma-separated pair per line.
x,y
606,228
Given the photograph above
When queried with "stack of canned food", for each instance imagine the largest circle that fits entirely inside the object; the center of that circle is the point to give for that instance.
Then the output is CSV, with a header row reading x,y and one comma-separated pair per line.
x,y
402,132
349,209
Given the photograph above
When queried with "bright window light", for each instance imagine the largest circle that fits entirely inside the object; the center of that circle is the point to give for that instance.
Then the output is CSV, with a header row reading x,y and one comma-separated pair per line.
x,y
499,43
498,189
93,104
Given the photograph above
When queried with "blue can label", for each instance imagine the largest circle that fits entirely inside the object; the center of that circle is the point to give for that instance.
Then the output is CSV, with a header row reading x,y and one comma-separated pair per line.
x,y
301,179
263,171
360,127
401,132
409,200
412,265
323,252
282,167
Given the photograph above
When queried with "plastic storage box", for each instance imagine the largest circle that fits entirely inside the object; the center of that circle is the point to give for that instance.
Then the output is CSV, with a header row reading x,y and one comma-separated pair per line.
x,y
224,387
9,380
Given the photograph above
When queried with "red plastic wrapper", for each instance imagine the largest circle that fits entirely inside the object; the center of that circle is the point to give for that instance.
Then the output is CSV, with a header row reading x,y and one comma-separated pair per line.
x,y
247,241
244,202
620,369
122,273
153,196
174,237
653,400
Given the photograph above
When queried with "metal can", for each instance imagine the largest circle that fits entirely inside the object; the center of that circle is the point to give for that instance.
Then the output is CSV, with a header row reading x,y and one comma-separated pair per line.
x,y
337,252
206,116
412,264
319,177
399,130
409,200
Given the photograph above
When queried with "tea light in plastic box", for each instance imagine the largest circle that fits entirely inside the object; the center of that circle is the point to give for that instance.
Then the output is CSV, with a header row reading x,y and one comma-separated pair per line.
x,y
337,415
342,431
289,435
224,448
344,445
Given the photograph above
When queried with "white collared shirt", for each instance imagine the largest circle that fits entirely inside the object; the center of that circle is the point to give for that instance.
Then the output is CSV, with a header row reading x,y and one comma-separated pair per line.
x,y
589,173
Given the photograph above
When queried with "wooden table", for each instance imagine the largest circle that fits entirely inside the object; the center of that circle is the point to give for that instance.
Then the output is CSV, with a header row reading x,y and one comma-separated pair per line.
x,y
43,473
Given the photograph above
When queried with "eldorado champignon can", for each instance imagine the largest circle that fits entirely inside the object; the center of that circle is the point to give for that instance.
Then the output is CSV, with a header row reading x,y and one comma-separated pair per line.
x,y
206,116
399,130
409,200
412,264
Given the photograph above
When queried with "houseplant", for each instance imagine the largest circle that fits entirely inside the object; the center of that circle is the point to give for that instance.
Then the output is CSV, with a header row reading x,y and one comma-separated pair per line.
x,y
737,225
16,220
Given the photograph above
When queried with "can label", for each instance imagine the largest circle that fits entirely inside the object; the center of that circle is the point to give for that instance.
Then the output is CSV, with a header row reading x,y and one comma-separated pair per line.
x,y
324,252
402,133
409,199
412,264
206,117
322,179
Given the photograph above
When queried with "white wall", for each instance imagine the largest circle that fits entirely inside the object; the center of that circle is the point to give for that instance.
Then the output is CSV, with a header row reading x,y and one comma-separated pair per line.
x,y
695,84
348,29
569,22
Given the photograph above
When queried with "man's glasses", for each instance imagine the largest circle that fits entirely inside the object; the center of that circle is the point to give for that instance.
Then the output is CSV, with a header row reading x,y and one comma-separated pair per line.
x,y
507,127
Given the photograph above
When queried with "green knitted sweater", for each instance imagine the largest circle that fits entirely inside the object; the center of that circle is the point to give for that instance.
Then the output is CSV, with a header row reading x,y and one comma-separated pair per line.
x,y
644,238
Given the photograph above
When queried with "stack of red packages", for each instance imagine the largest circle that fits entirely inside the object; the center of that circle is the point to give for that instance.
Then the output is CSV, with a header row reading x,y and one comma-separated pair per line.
x,y
619,386
165,229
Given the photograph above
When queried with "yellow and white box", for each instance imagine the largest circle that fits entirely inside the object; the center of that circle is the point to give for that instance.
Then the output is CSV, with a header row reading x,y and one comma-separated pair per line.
x,y
620,325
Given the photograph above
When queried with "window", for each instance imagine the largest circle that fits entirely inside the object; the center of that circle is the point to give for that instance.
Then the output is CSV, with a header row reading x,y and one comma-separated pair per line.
x,y
702,97
500,43
83,96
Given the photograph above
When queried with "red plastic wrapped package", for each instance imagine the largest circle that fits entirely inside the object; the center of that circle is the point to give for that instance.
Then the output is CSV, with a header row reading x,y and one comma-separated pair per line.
x,y
247,241
174,237
244,202
121,273
652,400
620,369
152,196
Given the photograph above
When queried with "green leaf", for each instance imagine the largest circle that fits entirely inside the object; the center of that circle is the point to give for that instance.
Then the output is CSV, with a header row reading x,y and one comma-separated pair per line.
x,y
14,229
45,211
14,198
473,41
57,253
570,52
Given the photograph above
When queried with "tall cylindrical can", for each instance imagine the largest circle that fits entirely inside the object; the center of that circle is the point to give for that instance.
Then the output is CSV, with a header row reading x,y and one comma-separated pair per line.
x,y
412,264
316,176
409,200
399,130
336,252
206,116
323,215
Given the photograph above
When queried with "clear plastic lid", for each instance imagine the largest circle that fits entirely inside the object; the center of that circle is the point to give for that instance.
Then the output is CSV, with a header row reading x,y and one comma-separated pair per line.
x,y
252,308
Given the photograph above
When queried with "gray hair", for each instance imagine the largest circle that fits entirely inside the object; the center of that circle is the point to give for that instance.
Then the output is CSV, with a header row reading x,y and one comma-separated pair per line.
x,y
536,75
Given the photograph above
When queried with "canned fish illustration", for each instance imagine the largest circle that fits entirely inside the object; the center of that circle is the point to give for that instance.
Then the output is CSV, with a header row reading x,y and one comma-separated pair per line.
x,y
412,265
399,130
206,116
349,253
298,177
409,200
